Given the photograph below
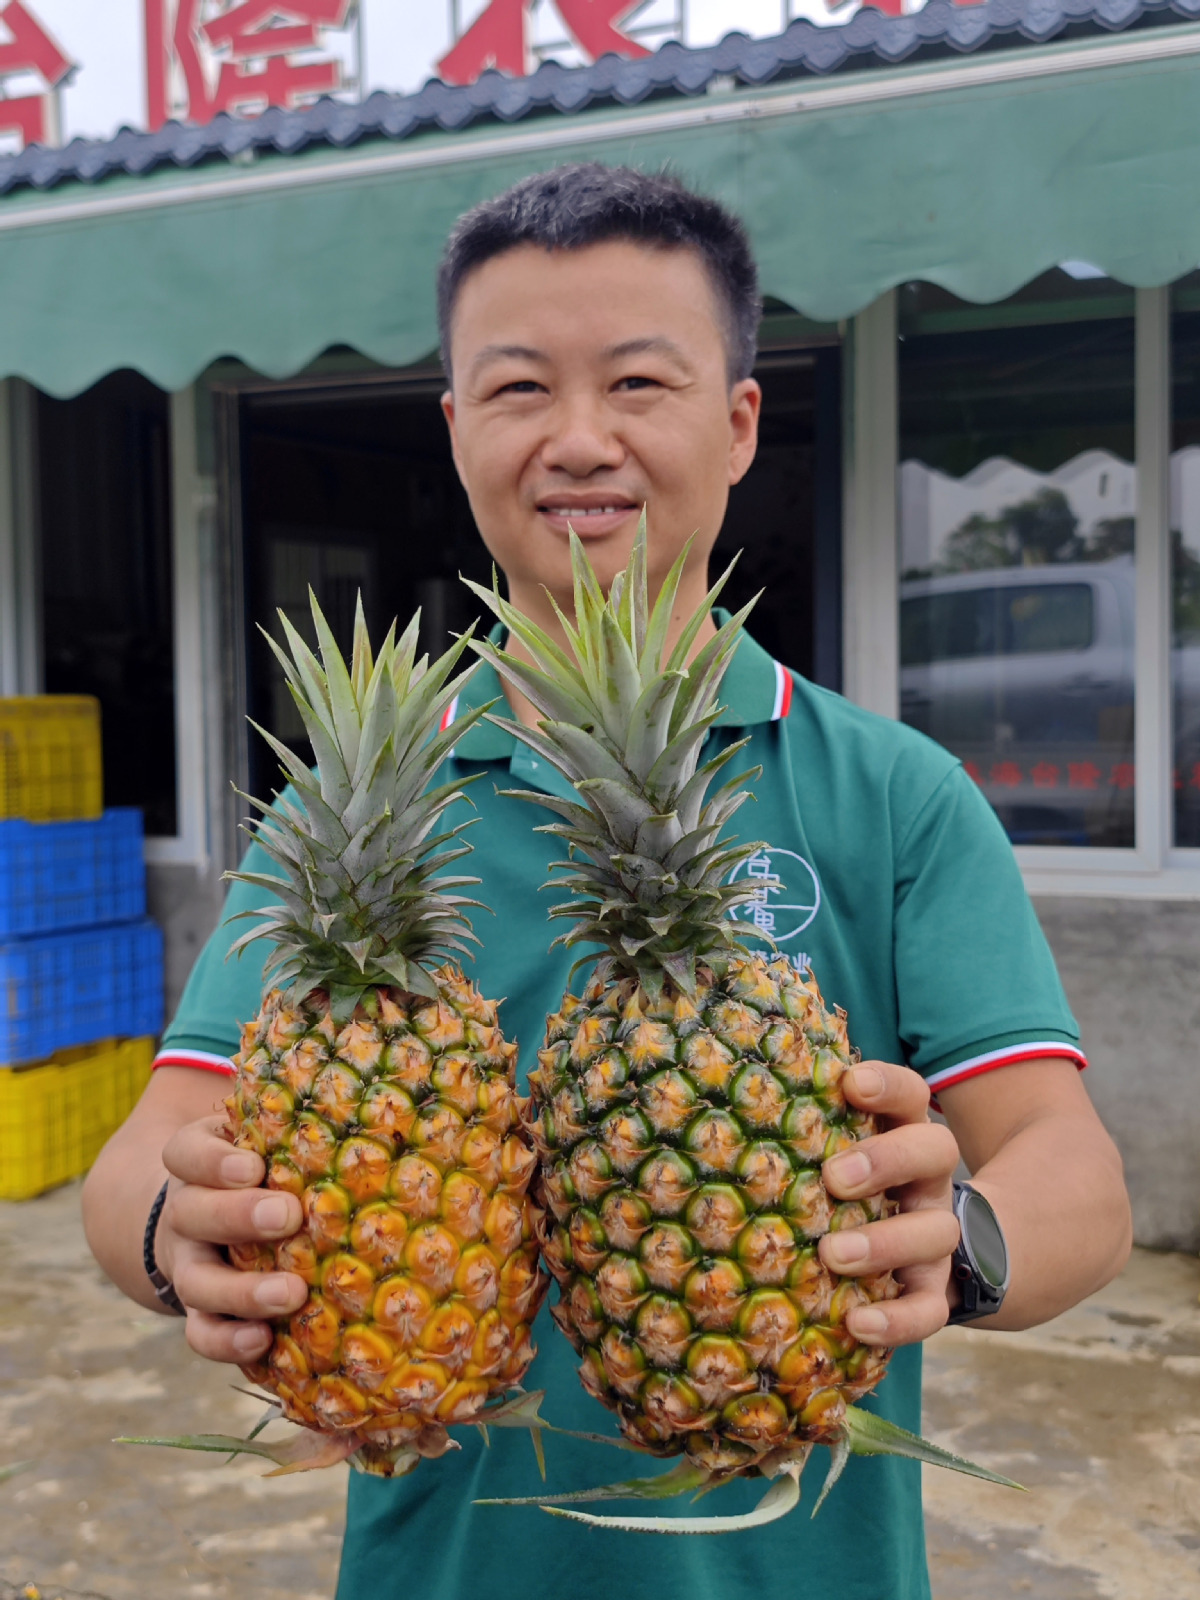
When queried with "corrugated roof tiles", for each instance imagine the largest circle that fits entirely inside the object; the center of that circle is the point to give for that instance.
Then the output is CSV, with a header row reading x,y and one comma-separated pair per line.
x,y
869,39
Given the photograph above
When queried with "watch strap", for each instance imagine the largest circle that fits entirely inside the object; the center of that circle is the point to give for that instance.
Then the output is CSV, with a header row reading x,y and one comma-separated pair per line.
x,y
164,1289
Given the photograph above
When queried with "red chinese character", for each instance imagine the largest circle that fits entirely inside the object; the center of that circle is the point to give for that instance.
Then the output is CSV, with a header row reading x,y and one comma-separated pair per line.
x,y
1194,780
27,48
1122,775
1082,775
972,770
1045,775
499,36
243,58
1006,774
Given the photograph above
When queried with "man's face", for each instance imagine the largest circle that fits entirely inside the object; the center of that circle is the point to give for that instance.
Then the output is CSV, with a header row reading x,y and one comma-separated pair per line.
x,y
588,383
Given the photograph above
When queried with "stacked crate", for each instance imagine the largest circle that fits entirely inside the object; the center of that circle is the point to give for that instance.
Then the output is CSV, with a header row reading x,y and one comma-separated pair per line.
x,y
81,965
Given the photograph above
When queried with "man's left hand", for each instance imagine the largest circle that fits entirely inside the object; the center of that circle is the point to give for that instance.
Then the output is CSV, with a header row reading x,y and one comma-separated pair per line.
x,y
914,1160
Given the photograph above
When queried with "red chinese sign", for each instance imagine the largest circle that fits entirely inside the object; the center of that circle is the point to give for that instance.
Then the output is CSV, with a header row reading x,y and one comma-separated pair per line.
x,y
499,36
208,56
1046,775
26,49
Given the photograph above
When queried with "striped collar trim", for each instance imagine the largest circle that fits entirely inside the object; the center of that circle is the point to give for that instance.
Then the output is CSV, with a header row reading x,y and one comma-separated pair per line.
x,y
1028,1050
756,689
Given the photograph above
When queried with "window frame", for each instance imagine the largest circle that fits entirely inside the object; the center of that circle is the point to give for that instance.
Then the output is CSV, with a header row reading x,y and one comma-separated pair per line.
x,y
1155,868
192,505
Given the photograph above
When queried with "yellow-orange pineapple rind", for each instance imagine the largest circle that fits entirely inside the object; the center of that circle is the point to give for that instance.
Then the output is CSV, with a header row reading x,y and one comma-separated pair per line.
x,y
681,1142
404,1138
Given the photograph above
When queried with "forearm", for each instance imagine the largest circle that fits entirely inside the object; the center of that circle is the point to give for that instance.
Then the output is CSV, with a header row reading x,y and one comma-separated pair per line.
x,y
1058,1190
129,1172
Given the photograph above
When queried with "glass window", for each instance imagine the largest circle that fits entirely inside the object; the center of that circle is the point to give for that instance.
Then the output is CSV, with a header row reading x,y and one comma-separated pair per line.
x,y
1185,554
107,622
1017,500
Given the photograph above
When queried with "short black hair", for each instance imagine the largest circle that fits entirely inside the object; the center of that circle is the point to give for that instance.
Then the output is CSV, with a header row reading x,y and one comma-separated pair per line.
x,y
586,203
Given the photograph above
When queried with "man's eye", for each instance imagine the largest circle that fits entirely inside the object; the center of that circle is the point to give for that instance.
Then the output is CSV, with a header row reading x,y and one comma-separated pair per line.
x,y
638,383
520,386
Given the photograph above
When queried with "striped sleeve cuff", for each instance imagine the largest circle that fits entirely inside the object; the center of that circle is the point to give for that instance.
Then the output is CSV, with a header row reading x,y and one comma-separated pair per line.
x,y
206,1060
1006,1056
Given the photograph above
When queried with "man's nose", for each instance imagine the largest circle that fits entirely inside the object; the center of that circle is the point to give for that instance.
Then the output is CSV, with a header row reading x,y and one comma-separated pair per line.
x,y
581,439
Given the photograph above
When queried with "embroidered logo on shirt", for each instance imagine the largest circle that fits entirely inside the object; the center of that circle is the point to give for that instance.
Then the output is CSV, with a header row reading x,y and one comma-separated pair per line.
x,y
787,894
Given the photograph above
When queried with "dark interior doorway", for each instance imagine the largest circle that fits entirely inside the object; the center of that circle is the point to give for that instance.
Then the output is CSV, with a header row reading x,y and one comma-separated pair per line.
x,y
354,488
104,509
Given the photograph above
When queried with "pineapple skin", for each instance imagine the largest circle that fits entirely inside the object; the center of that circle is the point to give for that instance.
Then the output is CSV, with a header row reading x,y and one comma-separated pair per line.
x,y
401,1134
680,1142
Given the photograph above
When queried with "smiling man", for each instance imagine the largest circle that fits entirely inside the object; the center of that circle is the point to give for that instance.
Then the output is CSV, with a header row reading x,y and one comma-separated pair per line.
x,y
598,332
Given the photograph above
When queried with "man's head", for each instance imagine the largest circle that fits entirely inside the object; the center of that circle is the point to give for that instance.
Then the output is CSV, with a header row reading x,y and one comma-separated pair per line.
x,y
572,207
599,328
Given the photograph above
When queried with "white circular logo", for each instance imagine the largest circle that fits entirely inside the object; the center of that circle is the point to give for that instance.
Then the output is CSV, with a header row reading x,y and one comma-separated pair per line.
x,y
785,907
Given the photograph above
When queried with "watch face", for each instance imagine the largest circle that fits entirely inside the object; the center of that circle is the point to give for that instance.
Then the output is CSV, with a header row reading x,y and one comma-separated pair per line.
x,y
986,1242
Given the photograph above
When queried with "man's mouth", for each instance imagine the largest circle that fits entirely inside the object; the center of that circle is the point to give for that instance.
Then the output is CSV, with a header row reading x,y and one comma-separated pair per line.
x,y
585,511
591,518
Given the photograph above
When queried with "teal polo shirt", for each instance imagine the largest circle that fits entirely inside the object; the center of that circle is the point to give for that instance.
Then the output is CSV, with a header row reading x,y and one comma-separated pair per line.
x,y
885,870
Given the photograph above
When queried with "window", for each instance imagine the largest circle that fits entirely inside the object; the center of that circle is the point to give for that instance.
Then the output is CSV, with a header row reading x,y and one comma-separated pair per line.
x,y
1185,555
1017,505
988,621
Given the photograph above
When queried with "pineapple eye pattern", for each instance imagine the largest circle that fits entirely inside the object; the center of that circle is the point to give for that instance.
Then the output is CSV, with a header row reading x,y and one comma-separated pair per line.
x,y
685,1202
420,1239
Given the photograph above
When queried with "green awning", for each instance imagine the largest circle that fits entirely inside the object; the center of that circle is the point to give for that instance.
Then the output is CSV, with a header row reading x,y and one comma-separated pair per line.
x,y
976,175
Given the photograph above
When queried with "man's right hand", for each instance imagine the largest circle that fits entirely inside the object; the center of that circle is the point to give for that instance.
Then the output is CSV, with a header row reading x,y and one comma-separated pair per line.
x,y
214,1199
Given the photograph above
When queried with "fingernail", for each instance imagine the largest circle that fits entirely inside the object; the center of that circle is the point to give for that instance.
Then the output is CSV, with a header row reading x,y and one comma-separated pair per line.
x,y
274,1295
868,1083
250,1341
271,1215
850,1170
240,1168
868,1321
846,1249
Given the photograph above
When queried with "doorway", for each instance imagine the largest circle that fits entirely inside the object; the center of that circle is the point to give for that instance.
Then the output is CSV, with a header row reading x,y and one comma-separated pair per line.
x,y
351,487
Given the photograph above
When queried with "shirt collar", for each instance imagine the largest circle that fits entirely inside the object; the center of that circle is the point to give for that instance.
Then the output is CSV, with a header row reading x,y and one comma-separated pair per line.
x,y
755,689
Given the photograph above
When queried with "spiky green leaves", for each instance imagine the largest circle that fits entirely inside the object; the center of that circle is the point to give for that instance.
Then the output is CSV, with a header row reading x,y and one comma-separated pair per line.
x,y
625,720
363,897
864,1433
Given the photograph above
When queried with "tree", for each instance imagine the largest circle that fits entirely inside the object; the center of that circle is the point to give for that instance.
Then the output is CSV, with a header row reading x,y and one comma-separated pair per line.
x,y
1029,533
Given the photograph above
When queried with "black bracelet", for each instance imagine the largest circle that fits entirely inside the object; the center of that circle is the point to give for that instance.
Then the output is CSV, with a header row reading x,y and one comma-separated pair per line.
x,y
163,1287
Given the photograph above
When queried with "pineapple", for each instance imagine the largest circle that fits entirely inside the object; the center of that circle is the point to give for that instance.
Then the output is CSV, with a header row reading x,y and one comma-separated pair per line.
x,y
684,1103
375,1081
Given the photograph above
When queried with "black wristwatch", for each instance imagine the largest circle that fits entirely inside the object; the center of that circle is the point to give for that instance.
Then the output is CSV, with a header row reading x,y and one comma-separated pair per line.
x,y
980,1261
164,1289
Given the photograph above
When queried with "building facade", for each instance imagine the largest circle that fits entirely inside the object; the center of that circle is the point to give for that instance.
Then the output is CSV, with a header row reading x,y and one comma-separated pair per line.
x,y
976,506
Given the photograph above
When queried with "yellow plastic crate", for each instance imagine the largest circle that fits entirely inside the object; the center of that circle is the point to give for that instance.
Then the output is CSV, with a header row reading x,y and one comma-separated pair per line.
x,y
50,769
55,1117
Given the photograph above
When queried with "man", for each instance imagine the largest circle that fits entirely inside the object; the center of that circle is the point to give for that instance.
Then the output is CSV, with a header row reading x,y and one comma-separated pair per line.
x,y
598,332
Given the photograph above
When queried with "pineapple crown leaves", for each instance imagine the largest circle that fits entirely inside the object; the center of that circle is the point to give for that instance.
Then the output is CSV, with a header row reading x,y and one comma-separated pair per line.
x,y
362,894
625,720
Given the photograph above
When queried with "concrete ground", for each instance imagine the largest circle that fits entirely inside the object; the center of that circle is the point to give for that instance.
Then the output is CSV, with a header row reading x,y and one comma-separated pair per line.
x,y
1097,1412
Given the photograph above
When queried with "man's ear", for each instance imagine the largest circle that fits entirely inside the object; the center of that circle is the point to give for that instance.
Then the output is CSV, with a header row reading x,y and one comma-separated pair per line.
x,y
745,406
447,404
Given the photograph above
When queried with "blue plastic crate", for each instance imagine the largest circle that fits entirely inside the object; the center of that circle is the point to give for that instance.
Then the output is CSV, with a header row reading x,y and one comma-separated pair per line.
x,y
65,989
56,875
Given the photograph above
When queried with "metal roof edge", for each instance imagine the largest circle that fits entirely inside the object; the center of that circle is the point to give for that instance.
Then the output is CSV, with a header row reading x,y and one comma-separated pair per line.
x,y
781,100
869,39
